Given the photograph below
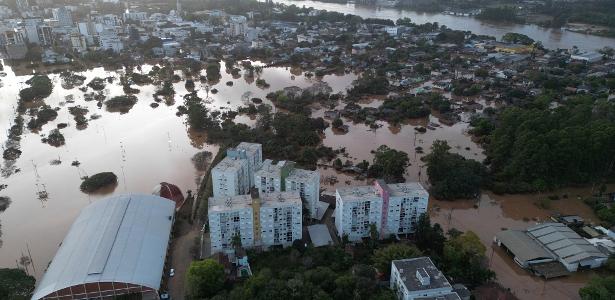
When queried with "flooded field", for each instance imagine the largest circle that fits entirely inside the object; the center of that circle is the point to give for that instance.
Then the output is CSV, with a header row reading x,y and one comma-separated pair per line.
x,y
142,147
494,213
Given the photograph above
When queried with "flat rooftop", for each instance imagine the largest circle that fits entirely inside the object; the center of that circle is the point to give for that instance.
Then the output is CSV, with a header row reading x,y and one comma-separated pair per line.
x,y
220,204
409,267
277,199
358,193
320,236
249,147
272,169
301,175
407,188
229,164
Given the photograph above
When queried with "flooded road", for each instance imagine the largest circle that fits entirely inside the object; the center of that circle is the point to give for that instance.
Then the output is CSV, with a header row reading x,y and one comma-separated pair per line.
x,y
551,38
494,213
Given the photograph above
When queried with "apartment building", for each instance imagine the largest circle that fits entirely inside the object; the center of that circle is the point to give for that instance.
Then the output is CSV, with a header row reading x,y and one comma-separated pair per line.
x,y
280,218
254,155
272,176
419,278
392,208
357,207
229,216
230,177
307,183
272,220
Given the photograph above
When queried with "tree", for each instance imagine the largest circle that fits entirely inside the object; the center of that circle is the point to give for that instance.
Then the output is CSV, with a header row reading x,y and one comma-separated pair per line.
x,y
15,284
236,240
451,175
429,238
382,257
464,260
599,288
205,278
389,164
337,123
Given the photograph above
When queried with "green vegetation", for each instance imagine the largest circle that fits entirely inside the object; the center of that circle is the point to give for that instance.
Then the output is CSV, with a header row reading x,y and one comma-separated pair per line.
x,y
382,257
389,164
97,84
97,181
308,273
15,284
517,38
213,71
451,175
121,103
369,84
599,288
399,109
55,138
500,14
204,279
537,146
464,260
40,87
44,115
167,89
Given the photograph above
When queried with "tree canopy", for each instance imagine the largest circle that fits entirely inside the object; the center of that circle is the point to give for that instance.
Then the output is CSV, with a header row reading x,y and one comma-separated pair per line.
x,y
451,175
389,164
599,288
382,257
15,284
464,260
204,278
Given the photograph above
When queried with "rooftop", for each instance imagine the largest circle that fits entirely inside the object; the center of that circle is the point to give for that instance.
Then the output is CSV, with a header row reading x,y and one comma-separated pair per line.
x,y
280,199
220,204
564,242
358,193
271,169
229,164
408,188
522,245
249,147
301,175
408,272
117,239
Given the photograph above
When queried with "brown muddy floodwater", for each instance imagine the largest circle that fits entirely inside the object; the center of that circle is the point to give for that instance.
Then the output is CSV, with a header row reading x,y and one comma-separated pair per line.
x,y
494,213
142,147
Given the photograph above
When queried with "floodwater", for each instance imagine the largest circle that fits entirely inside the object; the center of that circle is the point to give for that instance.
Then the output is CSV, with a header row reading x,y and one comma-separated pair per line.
x,y
142,147
494,213
551,38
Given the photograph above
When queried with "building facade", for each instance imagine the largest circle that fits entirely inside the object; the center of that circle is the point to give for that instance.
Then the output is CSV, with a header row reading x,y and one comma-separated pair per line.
x,y
392,208
254,155
280,219
307,183
272,176
63,15
230,177
230,216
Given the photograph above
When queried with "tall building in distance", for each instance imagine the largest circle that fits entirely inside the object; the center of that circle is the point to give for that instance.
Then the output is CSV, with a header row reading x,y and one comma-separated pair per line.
x,y
63,15
392,208
238,26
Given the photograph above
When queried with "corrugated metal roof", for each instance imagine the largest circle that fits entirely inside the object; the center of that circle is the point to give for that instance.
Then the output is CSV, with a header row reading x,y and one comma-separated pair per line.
x,y
523,246
117,239
564,242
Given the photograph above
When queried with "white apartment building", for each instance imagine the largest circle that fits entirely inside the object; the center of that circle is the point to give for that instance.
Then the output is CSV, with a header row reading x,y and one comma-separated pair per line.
x,y
393,208
237,25
271,176
356,208
406,203
280,218
230,177
307,183
110,40
78,43
63,15
229,216
419,278
254,155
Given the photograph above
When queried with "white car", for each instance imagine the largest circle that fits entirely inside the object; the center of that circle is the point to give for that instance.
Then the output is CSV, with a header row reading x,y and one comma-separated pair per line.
x,y
172,273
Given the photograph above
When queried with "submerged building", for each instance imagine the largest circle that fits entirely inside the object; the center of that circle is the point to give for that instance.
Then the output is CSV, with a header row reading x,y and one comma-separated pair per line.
x,y
550,249
116,246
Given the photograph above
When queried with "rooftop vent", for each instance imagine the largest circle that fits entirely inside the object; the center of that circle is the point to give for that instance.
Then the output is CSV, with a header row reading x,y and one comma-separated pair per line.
x,y
422,276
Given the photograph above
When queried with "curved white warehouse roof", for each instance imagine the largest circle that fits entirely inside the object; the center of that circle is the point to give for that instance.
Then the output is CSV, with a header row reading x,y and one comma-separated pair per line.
x,y
117,239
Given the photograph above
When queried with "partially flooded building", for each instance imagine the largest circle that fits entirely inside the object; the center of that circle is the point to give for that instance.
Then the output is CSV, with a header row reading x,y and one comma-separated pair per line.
x,y
550,249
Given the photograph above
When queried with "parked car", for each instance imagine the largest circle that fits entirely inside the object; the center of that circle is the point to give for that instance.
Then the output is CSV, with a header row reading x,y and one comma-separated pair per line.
x,y
172,273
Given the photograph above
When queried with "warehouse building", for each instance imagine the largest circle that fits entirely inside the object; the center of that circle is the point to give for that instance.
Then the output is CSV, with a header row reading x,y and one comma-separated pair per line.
x,y
539,246
117,246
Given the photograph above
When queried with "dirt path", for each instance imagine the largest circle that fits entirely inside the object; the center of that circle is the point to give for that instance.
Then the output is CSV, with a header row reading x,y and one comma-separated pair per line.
x,y
181,257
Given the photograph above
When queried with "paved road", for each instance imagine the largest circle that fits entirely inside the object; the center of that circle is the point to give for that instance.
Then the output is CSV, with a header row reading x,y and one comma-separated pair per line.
x,y
181,258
